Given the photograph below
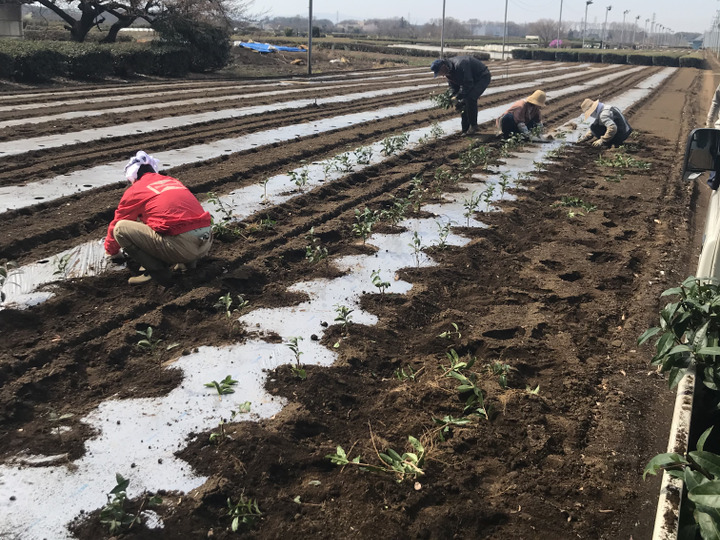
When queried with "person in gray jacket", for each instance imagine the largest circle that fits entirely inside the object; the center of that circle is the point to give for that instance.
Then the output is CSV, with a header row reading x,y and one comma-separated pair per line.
x,y
713,117
609,126
467,78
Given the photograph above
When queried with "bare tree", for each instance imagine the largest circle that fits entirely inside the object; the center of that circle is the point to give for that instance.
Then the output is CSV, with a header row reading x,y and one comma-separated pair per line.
x,y
545,29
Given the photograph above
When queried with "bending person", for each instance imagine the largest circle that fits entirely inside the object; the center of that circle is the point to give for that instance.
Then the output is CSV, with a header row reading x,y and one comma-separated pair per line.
x,y
467,78
158,222
713,117
609,126
523,115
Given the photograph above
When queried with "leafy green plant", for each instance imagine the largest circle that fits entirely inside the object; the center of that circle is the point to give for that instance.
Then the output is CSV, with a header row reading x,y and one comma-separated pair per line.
x,y
226,227
487,195
393,144
298,369
446,423
503,183
314,252
449,334
621,160
267,223
416,245
474,402
300,178
328,166
243,512
689,332
615,178
148,343
264,184
575,202
343,317
417,193
443,233
363,155
474,157
364,222
343,163
700,473
217,437
436,131
501,371
61,265
225,302
223,387
402,375
378,282
114,513
444,100
471,205
407,465
396,213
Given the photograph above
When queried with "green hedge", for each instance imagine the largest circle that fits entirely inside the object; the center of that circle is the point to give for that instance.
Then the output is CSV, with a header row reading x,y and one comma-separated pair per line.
x,y
522,54
614,58
640,59
39,61
694,61
586,56
563,55
543,54
666,60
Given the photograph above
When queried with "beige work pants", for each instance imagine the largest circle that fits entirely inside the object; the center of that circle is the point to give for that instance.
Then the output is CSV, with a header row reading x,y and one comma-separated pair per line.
x,y
156,252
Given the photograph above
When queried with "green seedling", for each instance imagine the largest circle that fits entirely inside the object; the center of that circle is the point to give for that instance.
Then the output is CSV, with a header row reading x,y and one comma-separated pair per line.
x,y
417,193
501,371
402,375
443,233
623,161
378,282
436,131
328,166
487,195
363,155
217,437
615,178
300,178
503,183
148,343
114,514
364,222
396,213
393,144
474,157
298,369
416,245
449,334
471,205
344,318
264,184
226,227
343,163
539,166
407,465
446,423
314,252
61,265
268,223
55,419
225,302
575,202
243,512
223,387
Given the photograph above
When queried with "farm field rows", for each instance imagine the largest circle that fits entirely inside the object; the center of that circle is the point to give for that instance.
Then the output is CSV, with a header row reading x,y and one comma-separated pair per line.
x,y
550,296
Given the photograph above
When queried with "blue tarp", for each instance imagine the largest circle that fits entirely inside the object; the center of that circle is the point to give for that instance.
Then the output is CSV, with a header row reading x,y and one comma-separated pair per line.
x,y
266,47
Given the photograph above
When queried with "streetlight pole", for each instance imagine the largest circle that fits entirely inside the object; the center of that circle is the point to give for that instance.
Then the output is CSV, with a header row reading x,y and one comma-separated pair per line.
x,y
310,40
602,41
645,35
557,43
634,28
442,33
587,3
622,31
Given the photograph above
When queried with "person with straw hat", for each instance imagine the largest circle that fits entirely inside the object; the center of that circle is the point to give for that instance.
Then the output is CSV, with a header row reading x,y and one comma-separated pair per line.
x,y
609,126
467,78
523,115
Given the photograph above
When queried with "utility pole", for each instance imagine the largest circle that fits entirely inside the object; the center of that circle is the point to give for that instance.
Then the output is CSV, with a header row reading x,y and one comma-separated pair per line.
x,y
587,3
622,31
602,41
442,32
504,29
310,40
557,45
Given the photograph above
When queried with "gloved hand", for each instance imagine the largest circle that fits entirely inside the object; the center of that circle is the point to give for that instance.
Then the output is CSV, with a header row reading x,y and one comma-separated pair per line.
x,y
598,143
459,104
119,258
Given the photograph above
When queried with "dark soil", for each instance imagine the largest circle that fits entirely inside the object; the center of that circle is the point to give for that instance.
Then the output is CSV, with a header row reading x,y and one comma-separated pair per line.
x,y
559,299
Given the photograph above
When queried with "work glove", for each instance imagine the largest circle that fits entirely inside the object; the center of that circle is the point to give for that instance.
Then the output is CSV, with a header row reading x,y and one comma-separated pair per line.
x,y
585,138
119,258
459,105
599,143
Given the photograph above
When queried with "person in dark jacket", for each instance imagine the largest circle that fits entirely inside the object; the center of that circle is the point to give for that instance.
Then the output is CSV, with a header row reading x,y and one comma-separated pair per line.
x,y
158,222
467,78
609,126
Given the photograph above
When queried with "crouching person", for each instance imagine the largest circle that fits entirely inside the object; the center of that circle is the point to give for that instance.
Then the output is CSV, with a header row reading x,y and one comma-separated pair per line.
x,y
158,223
523,116
609,127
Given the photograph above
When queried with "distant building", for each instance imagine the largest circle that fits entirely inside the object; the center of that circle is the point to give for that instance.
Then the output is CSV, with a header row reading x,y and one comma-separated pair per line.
x,y
532,38
11,21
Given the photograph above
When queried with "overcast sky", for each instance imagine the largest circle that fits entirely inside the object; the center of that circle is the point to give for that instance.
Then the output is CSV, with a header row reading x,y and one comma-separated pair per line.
x,y
679,15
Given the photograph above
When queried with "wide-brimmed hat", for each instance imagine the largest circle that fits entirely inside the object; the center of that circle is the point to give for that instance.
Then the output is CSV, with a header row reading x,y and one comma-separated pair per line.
x,y
437,64
588,107
537,98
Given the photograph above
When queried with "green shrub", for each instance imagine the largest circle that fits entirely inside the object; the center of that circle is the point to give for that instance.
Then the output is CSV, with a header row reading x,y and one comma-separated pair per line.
x,y
7,65
566,56
639,59
589,56
614,58
522,54
208,45
85,60
693,61
543,54
34,61
665,60
171,61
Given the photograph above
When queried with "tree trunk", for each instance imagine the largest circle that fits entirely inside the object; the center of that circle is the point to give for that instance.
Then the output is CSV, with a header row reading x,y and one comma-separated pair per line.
x,y
122,22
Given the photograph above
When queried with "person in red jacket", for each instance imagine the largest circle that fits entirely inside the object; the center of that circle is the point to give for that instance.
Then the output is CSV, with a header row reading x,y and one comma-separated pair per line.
x,y
158,222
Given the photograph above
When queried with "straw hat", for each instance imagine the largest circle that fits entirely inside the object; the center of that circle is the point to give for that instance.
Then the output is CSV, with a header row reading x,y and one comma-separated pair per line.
x,y
537,98
588,107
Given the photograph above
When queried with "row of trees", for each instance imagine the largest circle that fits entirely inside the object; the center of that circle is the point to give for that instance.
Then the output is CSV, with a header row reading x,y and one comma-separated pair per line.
x,y
81,16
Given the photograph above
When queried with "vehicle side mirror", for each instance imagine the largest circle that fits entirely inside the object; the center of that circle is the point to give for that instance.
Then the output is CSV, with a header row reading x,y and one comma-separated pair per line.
x,y
702,153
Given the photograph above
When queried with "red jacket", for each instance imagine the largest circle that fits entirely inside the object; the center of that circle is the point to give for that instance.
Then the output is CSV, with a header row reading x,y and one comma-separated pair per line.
x,y
163,204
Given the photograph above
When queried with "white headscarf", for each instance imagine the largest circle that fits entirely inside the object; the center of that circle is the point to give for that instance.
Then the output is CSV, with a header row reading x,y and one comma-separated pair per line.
x,y
139,159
